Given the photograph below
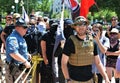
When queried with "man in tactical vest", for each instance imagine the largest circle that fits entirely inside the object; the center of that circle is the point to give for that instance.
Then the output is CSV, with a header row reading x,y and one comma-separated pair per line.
x,y
79,53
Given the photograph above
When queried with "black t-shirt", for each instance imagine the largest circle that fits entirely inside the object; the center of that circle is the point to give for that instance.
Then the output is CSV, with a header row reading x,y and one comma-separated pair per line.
x,y
8,29
32,38
113,49
79,73
50,41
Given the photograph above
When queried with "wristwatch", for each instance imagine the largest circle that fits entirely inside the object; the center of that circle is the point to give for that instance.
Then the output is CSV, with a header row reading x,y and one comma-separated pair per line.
x,y
67,80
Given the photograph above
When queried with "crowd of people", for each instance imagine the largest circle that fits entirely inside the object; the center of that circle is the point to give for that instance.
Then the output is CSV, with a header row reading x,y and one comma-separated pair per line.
x,y
86,56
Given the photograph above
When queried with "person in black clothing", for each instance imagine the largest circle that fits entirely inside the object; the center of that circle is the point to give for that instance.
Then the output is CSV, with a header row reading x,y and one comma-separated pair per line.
x,y
47,45
112,54
68,31
32,37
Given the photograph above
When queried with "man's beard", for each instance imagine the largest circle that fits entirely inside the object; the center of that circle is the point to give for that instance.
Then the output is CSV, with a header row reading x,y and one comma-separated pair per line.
x,y
81,34
113,40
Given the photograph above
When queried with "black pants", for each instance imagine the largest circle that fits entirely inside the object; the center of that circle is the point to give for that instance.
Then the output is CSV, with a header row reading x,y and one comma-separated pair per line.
x,y
47,75
100,78
61,76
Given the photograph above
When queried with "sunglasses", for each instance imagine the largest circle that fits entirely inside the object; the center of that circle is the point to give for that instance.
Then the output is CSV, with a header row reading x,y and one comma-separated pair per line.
x,y
113,19
113,33
25,27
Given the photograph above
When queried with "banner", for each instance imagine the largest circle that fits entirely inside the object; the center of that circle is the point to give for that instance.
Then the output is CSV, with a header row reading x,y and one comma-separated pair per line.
x,y
24,15
74,7
85,5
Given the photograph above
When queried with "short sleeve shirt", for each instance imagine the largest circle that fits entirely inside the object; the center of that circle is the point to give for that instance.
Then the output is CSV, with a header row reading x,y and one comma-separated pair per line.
x,y
105,41
15,43
8,29
78,73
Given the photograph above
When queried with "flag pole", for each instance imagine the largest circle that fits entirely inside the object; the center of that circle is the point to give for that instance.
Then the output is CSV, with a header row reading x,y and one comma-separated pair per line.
x,y
59,38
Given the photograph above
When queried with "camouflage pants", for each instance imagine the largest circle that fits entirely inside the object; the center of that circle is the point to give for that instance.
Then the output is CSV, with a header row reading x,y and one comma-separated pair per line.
x,y
9,78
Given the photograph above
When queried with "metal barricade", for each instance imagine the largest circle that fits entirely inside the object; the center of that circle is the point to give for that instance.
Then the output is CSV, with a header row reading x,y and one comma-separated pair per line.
x,y
35,61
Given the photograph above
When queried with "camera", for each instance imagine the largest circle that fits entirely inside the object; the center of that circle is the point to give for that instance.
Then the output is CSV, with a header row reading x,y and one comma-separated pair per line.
x,y
93,34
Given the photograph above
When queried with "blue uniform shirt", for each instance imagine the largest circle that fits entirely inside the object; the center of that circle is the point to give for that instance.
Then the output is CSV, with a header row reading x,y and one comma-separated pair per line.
x,y
15,43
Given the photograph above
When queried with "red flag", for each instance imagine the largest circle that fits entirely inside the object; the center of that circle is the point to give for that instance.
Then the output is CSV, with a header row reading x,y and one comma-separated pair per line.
x,y
73,3
85,5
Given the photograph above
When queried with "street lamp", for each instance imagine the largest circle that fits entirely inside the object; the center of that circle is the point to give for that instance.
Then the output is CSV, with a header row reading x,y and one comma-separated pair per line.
x,y
16,2
13,7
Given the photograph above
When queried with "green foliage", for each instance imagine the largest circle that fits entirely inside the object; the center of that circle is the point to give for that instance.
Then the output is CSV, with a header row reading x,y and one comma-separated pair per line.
x,y
44,6
103,13
5,6
58,15
111,5
105,8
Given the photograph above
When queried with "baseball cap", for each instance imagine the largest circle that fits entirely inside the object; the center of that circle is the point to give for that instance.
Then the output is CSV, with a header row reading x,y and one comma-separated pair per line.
x,y
9,17
21,22
114,30
16,15
81,21
68,21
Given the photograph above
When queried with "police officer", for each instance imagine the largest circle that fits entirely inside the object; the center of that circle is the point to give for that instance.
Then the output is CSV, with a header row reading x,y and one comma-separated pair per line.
x,y
16,51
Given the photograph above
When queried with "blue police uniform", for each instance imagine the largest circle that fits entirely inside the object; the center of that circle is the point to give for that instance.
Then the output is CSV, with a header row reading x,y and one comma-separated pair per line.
x,y
15,43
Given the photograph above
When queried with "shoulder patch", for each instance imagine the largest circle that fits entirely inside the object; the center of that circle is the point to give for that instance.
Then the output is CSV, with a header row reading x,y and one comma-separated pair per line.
x,y
15,42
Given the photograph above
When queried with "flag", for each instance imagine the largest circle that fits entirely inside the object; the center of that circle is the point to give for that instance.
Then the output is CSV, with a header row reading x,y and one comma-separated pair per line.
x,y
58,39
74,6
24,15
85,5
60,34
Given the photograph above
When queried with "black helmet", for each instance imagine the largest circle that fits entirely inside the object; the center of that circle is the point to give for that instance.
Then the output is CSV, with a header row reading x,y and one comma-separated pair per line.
x,y
53,27
68,21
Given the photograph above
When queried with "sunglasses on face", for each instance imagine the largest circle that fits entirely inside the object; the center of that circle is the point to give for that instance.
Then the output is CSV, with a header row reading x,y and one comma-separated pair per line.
x,y
113,33
113,19
25,27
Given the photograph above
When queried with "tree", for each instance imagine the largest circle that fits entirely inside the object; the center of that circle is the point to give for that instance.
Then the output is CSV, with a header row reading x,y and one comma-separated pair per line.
x,y
44,5
112,5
